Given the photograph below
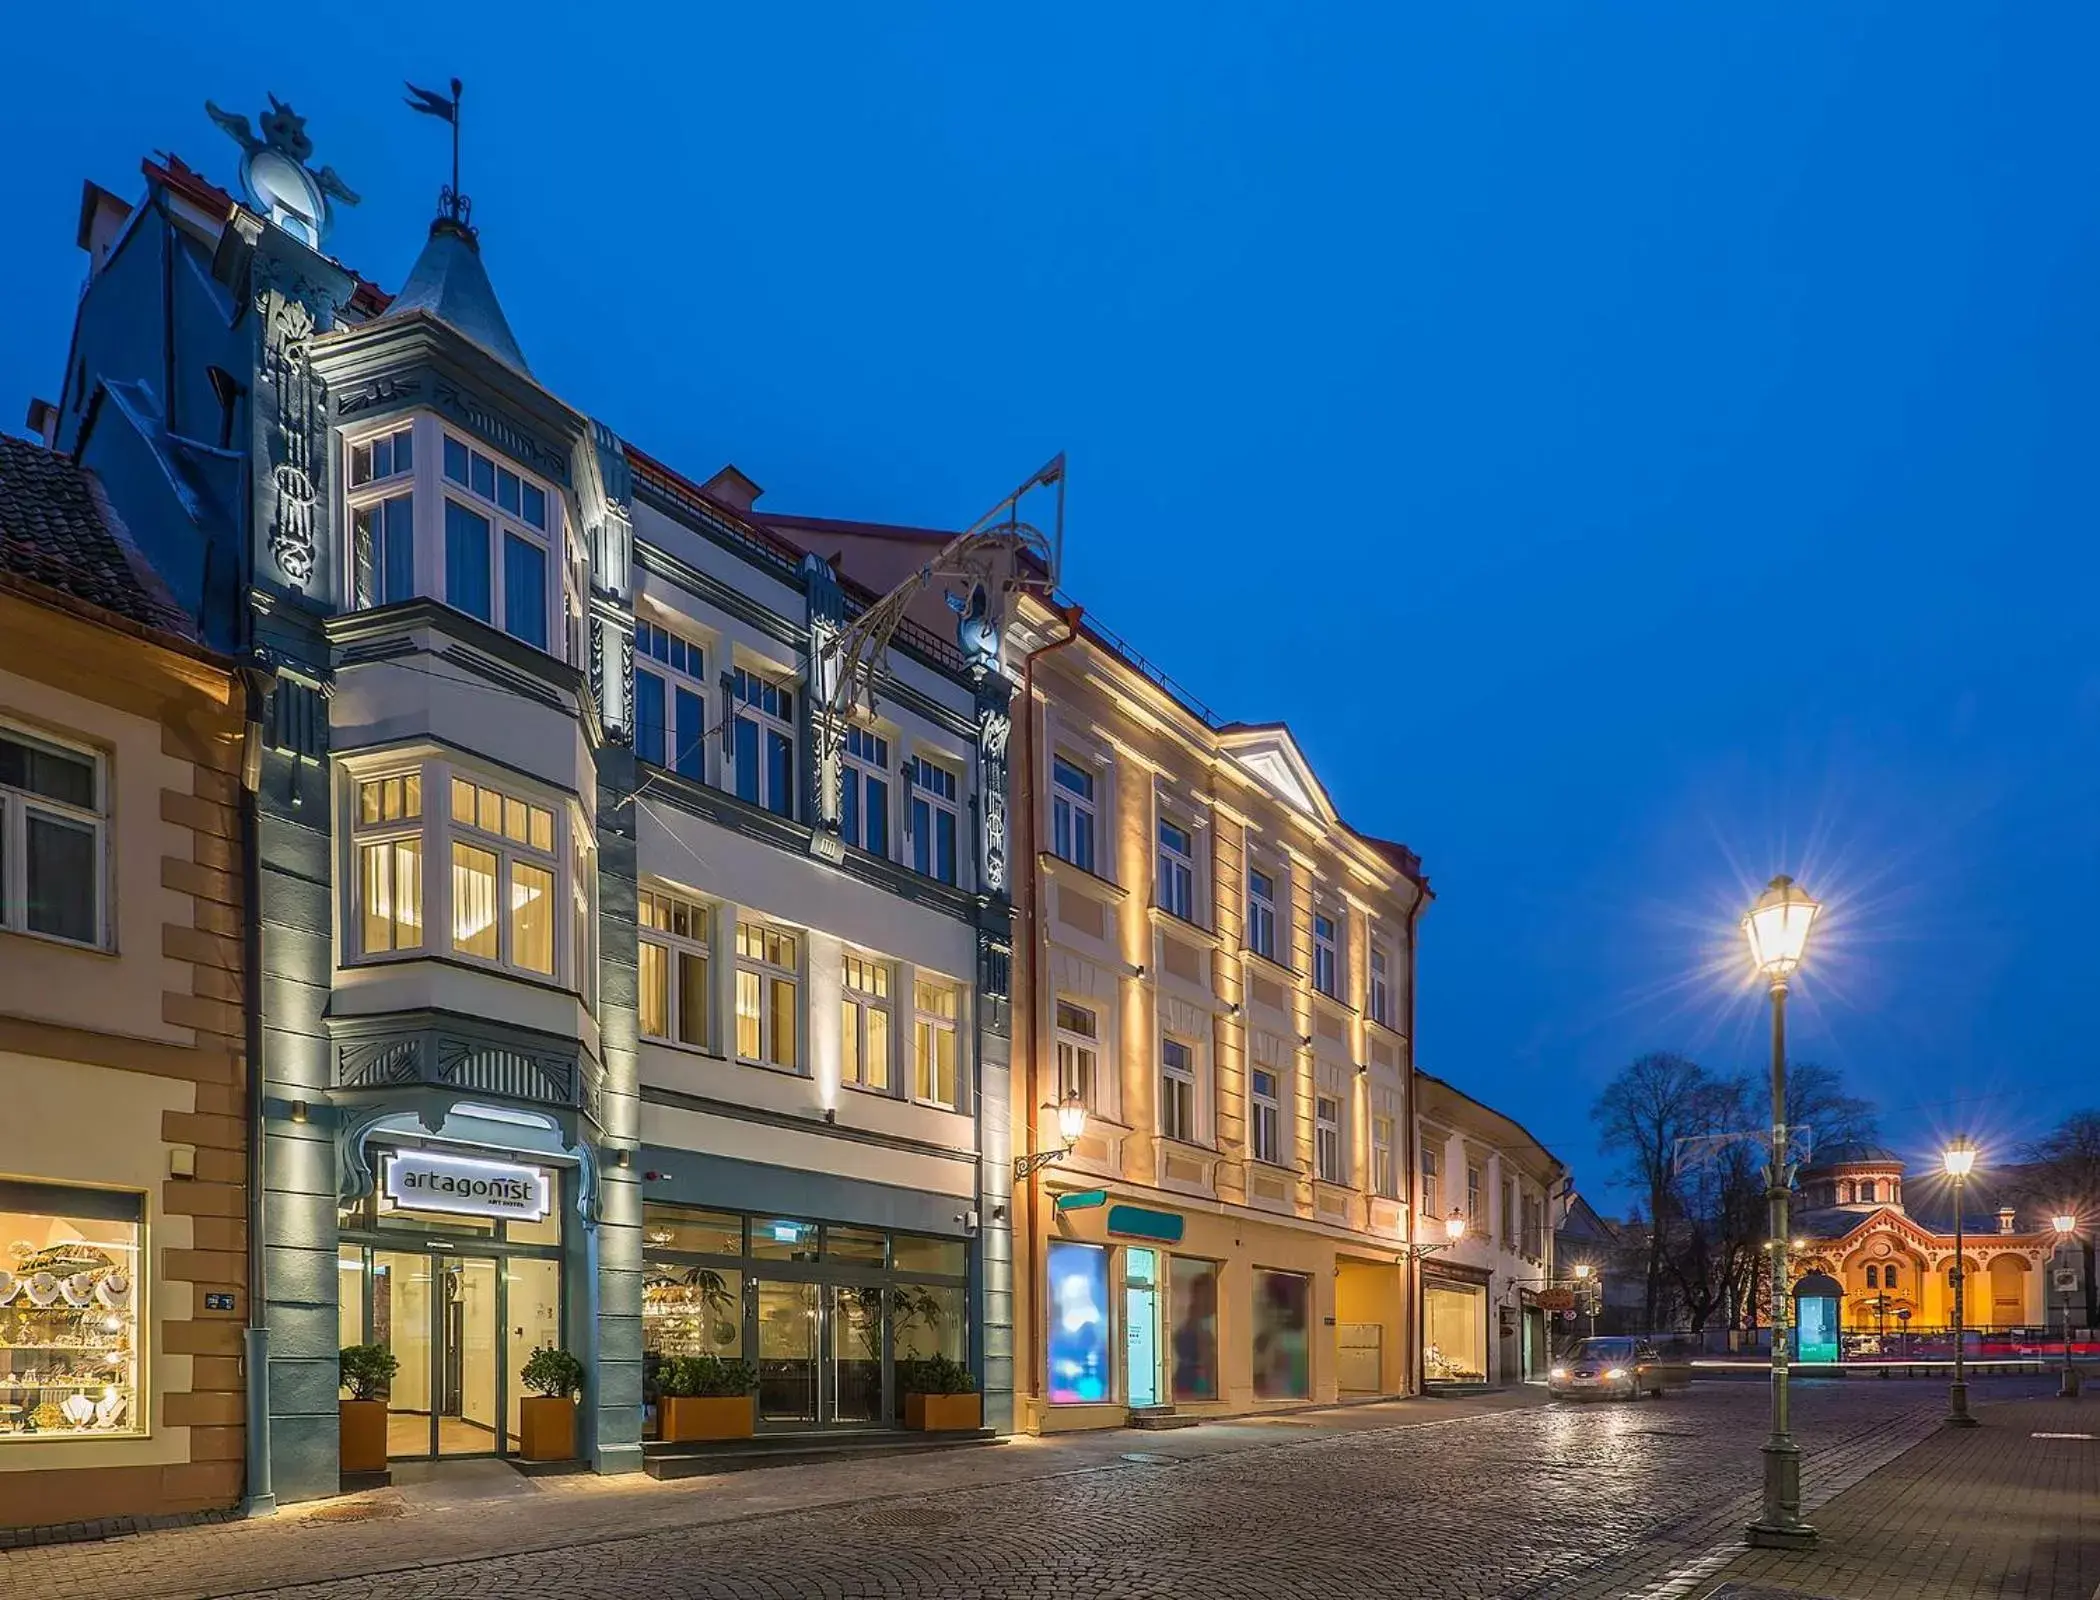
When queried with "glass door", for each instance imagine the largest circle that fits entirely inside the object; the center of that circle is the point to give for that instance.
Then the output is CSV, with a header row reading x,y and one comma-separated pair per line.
x,y
531,1318
1141,1327
467,1357
853,1339
401,1304
787,1345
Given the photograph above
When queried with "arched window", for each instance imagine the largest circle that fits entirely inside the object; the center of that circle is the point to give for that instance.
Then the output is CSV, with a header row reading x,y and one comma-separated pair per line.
x,y
1873,1278
1866,1191
1888,1276
1844,1194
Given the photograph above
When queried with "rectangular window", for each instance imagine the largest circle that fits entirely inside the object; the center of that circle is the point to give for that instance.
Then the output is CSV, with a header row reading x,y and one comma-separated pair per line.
x,y
51,839
1072,813
1381,986
383,551
73,1341
1079,1353
670,701
476,581
1177,871
525,590
1432,1186
1192,1290
1325,951
1079,1056
936,1043
1177,1091
1268,1118
1261,913
583,894
675,947
474,927
1327,1139
864,1023
864,814
391,455
467,586
1385,1171
1282,1323
768,995
504,885
1472,1199
532,917
764,742
1509,1214
933,812
387,833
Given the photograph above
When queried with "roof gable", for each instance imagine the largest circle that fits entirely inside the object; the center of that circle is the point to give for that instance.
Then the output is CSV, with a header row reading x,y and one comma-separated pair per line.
x,y
1272,756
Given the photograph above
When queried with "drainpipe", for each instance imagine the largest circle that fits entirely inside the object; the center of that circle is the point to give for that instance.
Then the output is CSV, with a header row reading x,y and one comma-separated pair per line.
x,y
1070,615
260,1498
1415,1349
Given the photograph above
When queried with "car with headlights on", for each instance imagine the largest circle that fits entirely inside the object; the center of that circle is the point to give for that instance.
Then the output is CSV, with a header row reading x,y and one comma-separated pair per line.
x,y
1616,1368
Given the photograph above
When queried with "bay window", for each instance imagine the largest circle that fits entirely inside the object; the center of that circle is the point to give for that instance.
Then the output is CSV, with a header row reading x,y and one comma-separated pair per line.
x,y
1327,1138
497,535
503,906
936,1044
52,845
763,742
382,505
768,995
670,701
387,838
864,1023
1177,871
1072,813
864,805
1079,1056
933,817
674,952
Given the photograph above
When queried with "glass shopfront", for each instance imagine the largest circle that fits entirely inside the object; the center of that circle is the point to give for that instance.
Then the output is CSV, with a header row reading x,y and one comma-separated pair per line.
x,y
1282,1345
1454,1331
831,1315
72,1342
454,1264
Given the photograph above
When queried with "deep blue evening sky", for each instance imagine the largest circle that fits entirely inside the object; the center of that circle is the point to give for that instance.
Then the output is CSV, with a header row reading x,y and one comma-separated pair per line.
x,y
1638,448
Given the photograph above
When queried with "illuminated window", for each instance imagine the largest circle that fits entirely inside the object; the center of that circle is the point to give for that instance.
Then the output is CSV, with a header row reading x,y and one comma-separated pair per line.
x,y
503,871
935,1044
768,986
670,701
52,845
387,836
1177,871
674,950
1072,813
72,1340
864,1022
1079,1056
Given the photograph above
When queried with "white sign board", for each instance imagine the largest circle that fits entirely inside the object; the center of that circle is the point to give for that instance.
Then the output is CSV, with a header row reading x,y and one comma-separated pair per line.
x,y
462,1186
2066,1281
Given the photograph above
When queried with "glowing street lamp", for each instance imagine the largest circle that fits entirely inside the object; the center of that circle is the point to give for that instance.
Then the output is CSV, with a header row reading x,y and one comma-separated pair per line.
x,y
1777,927
2066,1226
1959,1160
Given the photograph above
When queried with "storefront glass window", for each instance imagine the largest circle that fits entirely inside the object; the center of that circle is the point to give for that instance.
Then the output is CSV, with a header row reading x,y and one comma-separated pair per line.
x,y
930,1320
1193,1294
915,1253
1282,1307
1078,1341
864,1245
1454,1320
783,1239
71,1339
699,1233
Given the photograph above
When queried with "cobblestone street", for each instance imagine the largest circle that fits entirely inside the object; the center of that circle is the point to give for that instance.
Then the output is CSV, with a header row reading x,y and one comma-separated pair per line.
x,y
1569,1501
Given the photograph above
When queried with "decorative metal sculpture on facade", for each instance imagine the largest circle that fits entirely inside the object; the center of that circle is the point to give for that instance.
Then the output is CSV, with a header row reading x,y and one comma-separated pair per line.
x,y
275,175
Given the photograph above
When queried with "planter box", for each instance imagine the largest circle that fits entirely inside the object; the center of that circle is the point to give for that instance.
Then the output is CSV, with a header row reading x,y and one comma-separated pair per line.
x,y
547,1428
363,1435
682,1418
944,1413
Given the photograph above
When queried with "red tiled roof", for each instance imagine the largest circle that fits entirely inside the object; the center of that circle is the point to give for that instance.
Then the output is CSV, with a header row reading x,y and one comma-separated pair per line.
x,y
57,530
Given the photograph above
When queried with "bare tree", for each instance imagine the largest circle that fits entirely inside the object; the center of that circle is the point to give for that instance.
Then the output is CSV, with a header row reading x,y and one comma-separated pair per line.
x,y
1816,1100
1642,1113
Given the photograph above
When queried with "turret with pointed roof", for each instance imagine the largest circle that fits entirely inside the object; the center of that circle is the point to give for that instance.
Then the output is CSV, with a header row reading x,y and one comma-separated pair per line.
x,y
449,282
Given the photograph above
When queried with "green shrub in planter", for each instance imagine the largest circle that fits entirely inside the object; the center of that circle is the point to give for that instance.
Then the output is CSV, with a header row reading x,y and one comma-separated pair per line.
x,y
553,1373
366,1369
936,1375
707,1377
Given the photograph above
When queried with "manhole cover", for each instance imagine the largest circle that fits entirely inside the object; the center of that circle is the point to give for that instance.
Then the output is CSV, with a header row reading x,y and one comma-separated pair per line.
x,y
356,1511
910,1517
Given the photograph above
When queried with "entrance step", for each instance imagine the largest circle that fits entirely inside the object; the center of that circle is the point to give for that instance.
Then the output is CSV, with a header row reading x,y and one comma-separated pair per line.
x,y
1435,1388
1156,1419
707,1457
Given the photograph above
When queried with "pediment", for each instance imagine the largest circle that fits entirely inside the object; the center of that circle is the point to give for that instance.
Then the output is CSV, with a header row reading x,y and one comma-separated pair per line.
x,y
1272,756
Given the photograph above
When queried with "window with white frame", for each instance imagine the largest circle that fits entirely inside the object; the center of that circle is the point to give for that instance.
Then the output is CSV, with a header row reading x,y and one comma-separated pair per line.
x,y
1432,1184
1381,986
670,700
386,839
864,801
763,742
1327,1138
1326,955
382,504
864,1022
768,995
583,916
1385,1171
1079,1056
1473,1198
937,1043
499,530
933,788
1268,1117
1072,813
52,839
675,952
503,875
1177,870
1261,913
1178,1104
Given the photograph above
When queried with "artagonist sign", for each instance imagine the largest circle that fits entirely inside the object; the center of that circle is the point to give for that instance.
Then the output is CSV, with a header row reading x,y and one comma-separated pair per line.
x,y
421,1180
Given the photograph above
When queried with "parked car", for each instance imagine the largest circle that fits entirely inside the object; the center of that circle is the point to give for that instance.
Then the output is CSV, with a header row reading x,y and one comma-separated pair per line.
x,y
1617,1368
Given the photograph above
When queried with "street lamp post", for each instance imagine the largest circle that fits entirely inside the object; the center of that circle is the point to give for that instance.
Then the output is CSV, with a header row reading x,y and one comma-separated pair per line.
x,y
1583,1273
2066,1226
1777,927
1960,1161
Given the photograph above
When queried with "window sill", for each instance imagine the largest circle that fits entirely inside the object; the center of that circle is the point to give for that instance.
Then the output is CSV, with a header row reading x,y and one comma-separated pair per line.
x,y
703,1051
1063,871
1171,922
1330,1002
395,958
1290,974
769,1066
59,941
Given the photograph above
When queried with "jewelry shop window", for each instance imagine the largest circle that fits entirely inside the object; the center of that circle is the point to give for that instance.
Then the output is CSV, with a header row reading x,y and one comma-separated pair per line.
x,y
72,1344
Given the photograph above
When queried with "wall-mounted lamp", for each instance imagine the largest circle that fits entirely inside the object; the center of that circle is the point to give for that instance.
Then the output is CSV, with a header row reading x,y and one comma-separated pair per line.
x,y
1137,969
623,1158
1071,1124
299,1111
1305,1039
1235,1010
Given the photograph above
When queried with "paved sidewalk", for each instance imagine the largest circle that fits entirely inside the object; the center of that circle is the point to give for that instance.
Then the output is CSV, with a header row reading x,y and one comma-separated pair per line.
x,y
1985,1513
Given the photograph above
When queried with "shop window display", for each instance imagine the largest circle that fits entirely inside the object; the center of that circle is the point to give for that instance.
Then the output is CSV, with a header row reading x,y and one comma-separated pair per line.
x,y
1282,1306
1455,1333
1079,1365
71,1346
1193,1296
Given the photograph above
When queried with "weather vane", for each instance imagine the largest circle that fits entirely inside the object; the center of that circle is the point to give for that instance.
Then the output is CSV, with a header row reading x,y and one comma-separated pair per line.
x,y
275,175
452,205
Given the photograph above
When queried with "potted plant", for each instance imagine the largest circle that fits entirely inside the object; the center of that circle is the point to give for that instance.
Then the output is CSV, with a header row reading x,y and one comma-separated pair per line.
x,y
364,1370
707,1397
547,1422
940,1396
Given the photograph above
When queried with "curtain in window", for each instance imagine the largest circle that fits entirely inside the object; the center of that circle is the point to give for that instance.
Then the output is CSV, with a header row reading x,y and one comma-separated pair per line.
x,y
692,998
532,917
473,900
525,591
467,562
649,717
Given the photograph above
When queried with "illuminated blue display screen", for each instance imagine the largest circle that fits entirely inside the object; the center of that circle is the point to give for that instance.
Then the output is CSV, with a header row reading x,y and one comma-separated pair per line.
x,y
1817,1328
1078,1324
